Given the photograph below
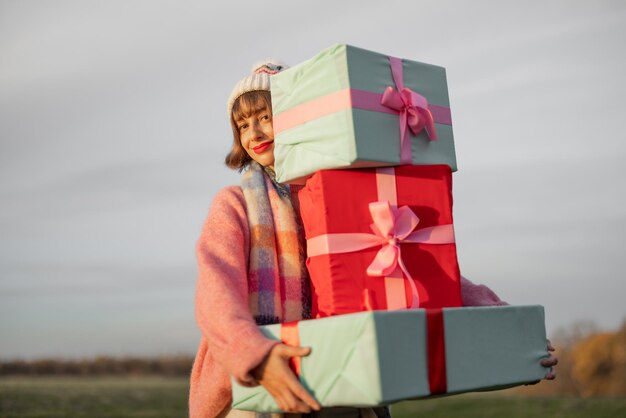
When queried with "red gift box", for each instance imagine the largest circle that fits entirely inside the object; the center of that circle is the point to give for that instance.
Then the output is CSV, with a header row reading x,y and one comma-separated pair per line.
x,y
338,208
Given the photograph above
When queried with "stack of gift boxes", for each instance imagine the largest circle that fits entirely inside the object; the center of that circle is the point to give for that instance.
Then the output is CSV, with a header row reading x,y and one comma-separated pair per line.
x,y
369,139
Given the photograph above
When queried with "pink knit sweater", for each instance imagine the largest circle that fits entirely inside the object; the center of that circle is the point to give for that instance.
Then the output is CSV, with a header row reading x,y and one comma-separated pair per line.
x,y
231,343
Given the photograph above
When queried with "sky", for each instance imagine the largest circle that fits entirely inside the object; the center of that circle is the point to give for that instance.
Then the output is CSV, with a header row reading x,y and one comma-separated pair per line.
x,y
113,130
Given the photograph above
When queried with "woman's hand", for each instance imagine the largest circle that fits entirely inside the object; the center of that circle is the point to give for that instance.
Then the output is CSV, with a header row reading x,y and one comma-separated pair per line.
x,y
276,376
550,361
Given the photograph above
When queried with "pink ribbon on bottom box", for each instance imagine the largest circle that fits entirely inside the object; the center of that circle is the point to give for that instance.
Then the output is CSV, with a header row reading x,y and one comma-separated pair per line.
x,y
392,227
435,348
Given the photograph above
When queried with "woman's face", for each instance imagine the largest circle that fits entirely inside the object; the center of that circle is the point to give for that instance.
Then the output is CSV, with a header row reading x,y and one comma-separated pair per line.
x,y
256,134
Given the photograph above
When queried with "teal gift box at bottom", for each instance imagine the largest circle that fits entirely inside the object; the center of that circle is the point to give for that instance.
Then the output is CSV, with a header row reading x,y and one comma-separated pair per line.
x,y
380,357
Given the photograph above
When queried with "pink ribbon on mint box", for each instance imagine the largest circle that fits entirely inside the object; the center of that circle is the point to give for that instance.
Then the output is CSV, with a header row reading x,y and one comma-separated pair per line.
x,y
392,226
412,108
415,113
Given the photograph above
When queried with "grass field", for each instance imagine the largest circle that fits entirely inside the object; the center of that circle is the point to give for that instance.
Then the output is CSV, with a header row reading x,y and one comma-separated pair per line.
x,y
154,397
71,397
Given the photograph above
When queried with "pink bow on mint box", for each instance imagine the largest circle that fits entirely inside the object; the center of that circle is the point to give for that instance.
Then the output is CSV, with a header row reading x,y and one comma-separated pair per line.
x,y
391,228
412,107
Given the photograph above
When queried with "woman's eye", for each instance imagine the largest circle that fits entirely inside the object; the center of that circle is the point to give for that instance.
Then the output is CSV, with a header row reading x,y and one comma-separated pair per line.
x,y
265,117
242,127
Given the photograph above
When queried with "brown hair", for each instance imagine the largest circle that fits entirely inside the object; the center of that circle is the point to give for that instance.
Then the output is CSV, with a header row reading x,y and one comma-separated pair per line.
x,y
246,105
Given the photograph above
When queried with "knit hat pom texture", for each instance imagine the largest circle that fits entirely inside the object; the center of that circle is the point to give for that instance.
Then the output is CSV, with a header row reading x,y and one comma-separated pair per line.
x,y
258,80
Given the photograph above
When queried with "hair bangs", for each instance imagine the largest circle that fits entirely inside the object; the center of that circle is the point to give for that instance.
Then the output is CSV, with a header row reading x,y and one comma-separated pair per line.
x,y
250,103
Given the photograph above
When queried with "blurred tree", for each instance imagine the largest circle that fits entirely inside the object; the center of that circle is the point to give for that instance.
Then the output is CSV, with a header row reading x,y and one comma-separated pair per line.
x,y
600,364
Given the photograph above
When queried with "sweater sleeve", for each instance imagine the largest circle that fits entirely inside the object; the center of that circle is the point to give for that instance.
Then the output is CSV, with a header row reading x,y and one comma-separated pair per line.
x,y
222,310
479,295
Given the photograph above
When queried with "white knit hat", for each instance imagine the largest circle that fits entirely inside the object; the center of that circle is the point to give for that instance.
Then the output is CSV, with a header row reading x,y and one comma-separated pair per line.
x,y
258,80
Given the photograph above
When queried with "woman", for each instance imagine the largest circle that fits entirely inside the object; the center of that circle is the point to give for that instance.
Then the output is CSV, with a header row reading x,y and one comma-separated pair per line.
x,y
252,272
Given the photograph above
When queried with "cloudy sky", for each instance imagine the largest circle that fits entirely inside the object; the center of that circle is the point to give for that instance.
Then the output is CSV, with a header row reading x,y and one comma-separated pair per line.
x,y
113,129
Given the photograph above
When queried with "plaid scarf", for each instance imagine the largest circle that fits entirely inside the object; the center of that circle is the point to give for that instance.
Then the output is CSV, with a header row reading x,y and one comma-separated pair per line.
x,y
279,289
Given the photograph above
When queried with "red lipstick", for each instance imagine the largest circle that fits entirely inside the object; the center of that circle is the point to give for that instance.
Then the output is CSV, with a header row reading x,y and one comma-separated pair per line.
x,y
261,148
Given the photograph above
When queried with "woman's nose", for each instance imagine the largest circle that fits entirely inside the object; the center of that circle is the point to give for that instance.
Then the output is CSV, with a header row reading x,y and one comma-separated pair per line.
x,y
256,130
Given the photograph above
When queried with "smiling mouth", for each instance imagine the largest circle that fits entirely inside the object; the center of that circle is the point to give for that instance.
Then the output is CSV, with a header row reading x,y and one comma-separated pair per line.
x,y
262,147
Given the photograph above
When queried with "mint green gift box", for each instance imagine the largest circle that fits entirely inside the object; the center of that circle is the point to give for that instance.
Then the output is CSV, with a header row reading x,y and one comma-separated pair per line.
x,y
376,358
351,136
